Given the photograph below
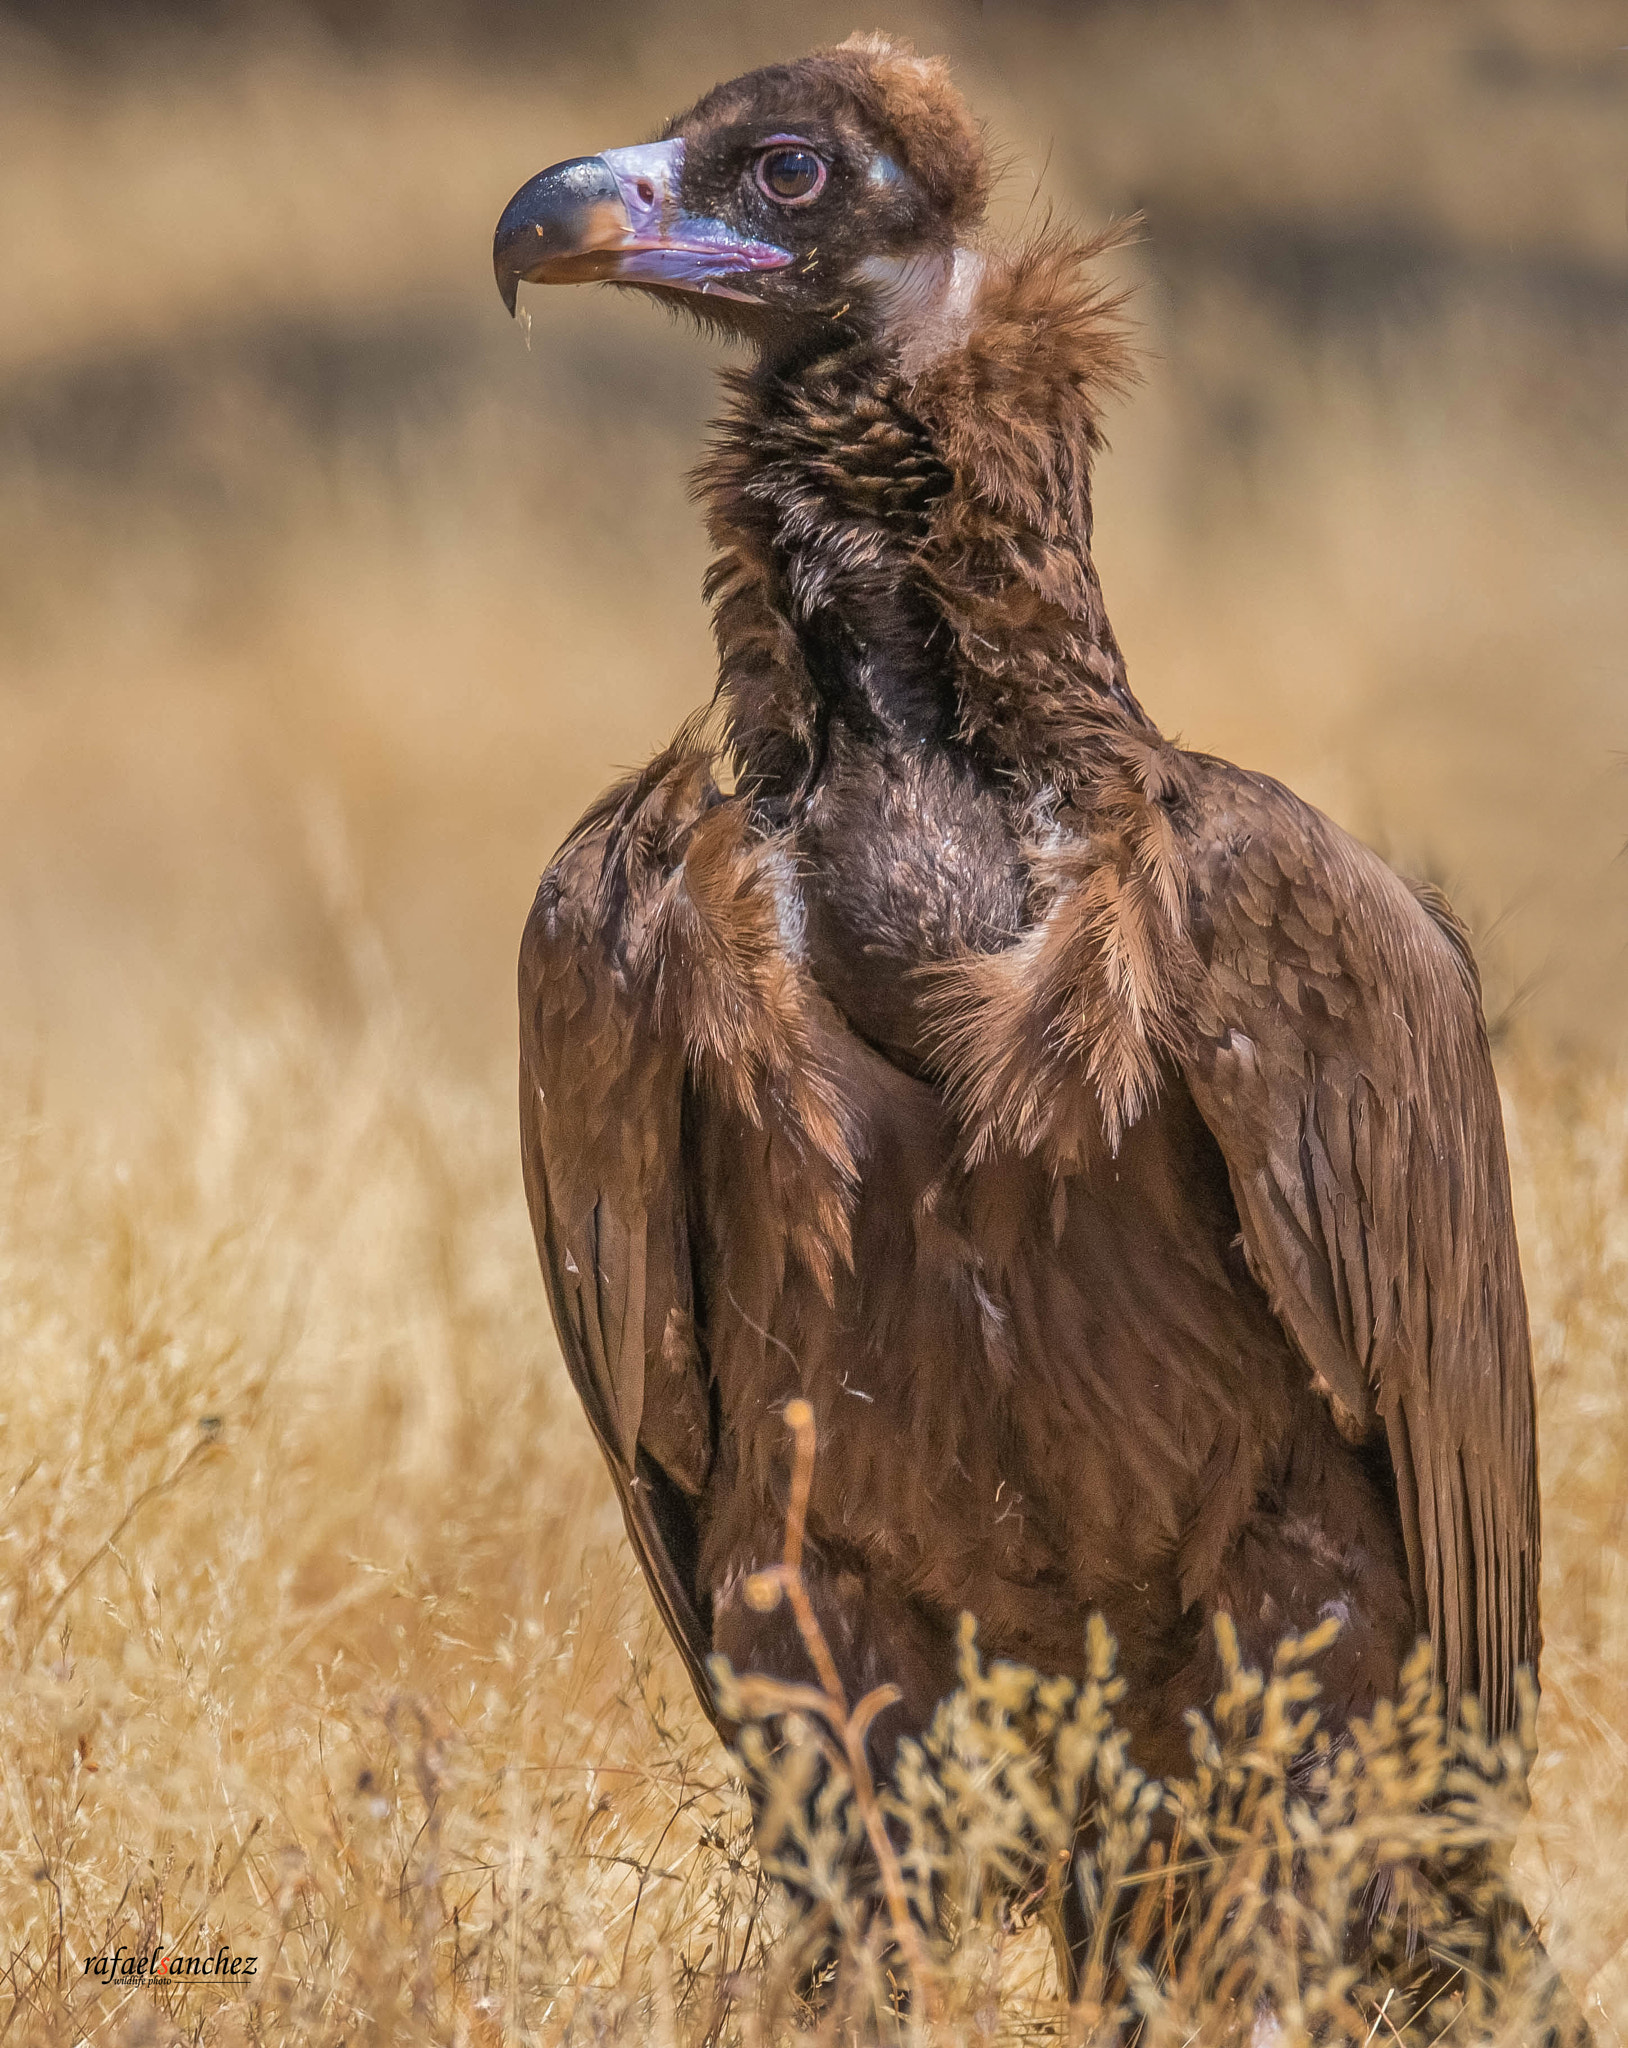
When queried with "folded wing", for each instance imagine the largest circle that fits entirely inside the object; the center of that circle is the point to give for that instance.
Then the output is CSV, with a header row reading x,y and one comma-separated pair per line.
x,y
601,1099
661,985
1343,1068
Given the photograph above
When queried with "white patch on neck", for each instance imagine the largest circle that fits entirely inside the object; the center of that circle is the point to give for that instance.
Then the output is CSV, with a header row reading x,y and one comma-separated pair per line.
x,y
925,301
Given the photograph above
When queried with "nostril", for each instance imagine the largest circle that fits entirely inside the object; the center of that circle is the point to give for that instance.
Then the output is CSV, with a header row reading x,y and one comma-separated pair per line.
x,y
646,191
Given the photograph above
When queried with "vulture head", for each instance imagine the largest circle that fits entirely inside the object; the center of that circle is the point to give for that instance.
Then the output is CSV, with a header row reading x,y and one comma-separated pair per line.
x,y
832,193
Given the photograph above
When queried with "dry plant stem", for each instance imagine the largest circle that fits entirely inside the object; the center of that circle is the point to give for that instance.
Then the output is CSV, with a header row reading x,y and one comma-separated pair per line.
x,y
830,1702
800,1420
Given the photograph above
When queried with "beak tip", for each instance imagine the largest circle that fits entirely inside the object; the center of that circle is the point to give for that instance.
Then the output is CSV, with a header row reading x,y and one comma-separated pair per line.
x,y
549,219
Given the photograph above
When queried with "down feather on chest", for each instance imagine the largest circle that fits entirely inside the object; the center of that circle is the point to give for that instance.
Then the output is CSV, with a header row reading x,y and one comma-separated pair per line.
x,y
906,858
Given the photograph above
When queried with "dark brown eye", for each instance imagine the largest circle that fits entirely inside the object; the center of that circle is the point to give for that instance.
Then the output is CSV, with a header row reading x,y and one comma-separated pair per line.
x,y
790,176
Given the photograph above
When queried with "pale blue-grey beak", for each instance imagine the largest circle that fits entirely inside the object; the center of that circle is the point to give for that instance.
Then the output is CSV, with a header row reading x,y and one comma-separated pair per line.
x,y
618,217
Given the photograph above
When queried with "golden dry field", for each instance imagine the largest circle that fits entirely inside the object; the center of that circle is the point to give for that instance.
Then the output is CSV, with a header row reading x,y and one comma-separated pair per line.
x,y
326,604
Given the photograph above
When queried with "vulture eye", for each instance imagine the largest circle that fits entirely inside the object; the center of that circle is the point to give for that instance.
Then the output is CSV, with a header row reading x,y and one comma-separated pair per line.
x,y
791,176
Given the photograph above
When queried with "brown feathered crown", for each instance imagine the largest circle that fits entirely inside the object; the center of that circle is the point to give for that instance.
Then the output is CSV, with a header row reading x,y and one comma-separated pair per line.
x,y
913,98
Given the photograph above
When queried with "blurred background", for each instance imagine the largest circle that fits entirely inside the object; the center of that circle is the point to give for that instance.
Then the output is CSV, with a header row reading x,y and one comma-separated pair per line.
x,y
327,600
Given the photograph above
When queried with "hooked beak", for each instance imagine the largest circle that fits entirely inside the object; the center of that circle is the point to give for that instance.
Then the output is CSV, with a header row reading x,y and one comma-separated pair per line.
x,y
618,217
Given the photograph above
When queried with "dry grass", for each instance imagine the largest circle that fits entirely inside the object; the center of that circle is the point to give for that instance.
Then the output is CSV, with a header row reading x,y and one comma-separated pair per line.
x,y
318,1637
324,608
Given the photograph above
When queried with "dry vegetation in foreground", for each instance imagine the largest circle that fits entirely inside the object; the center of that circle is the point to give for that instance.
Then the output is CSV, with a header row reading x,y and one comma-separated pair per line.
x,y
318,1641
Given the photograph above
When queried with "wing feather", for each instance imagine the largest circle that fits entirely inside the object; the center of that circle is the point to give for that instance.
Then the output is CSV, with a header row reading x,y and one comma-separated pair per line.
x,y
1343,1068
660,980
601,1101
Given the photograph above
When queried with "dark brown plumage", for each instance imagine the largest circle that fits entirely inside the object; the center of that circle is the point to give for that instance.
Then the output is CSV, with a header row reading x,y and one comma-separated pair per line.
x,y
1103,1141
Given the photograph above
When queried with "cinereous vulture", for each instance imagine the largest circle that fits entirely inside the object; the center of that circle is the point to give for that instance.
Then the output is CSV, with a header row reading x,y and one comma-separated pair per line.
x,y
1102,1141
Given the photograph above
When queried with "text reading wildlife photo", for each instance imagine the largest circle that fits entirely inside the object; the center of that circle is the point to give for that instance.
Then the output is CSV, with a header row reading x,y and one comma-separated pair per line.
x,y
1117,1126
